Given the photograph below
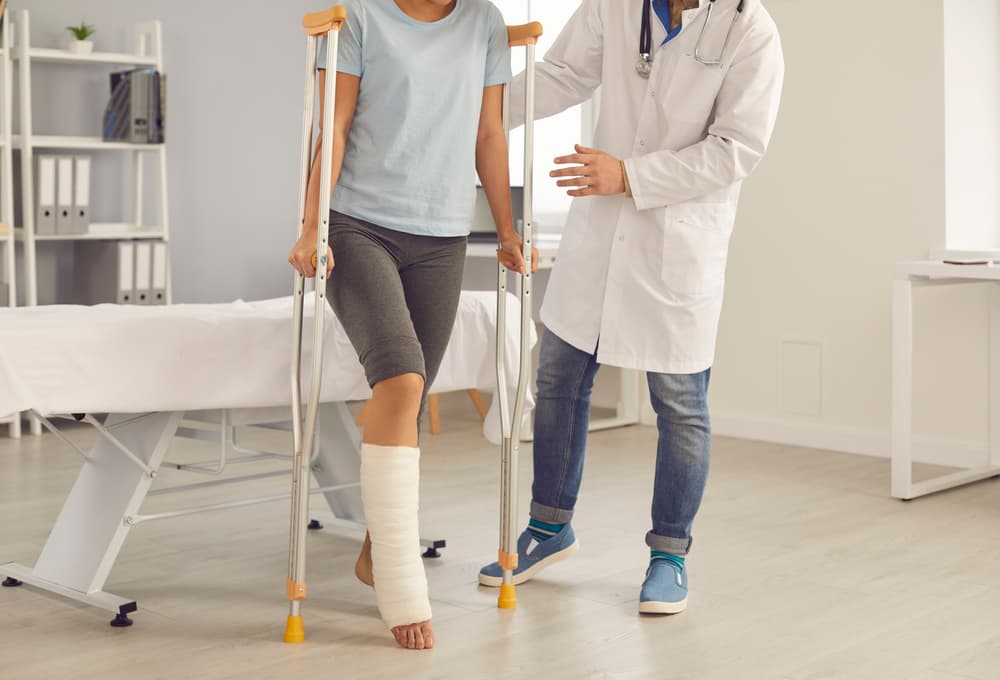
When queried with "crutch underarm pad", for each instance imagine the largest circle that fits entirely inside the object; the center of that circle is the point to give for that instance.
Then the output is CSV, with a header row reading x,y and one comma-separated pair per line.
x,y
525,34
325,21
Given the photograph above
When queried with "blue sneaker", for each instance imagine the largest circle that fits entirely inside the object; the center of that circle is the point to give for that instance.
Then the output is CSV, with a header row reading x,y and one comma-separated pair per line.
x,y
533,556
665,589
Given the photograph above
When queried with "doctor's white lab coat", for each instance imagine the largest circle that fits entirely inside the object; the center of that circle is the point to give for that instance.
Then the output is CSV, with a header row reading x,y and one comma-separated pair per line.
x,y
641,279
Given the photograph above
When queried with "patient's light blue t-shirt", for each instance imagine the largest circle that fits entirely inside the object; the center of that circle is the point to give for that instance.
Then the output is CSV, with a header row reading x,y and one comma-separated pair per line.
x,y
410,161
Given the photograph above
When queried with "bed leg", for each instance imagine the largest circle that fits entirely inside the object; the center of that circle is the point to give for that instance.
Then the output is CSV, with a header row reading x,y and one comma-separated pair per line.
x,y
12,582
477,400
122,620
314,525
434,412
432,550
360,420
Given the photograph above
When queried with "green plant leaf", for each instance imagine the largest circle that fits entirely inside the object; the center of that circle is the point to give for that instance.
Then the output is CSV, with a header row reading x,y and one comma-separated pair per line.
x,y
83,31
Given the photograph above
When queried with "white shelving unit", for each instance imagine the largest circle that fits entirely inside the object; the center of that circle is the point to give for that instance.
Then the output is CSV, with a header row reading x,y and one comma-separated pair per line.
x,y
148,52
8,280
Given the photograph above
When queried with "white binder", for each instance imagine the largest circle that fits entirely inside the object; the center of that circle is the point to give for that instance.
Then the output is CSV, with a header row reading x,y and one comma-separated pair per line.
x,y
143,273
64,195
45,217
81,197
126,273
159,288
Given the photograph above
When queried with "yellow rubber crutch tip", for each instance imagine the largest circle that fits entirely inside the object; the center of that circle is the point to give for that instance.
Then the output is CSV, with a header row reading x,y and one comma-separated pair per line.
x,y
294,632
508,598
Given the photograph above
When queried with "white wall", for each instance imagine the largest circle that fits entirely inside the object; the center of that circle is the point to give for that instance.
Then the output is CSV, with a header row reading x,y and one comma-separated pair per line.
x,y
235,95
972,123
235,80
854,181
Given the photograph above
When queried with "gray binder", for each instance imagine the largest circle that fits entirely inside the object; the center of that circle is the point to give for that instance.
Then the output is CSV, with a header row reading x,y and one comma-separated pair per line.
x,y
140,113
126,272
104,272
157,107
143,273
132,113
45,215
64,195
81,195
117,113
158,295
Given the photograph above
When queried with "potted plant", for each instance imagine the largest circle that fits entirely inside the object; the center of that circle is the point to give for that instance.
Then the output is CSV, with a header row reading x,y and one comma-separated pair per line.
x,y
80,44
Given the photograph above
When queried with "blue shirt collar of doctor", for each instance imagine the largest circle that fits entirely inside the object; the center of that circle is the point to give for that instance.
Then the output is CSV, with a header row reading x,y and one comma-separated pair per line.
x,y
662,9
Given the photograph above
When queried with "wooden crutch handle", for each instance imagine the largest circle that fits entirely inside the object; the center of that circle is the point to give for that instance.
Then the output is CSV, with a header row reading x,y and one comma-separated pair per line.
x,y
525,34
320,23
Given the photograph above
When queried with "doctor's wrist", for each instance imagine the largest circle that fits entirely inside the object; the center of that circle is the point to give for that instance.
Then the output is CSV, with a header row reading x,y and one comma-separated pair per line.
x,y
628,185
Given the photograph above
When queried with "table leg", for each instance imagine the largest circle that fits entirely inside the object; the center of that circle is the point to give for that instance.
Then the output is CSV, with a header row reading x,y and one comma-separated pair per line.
x,y
994,400
902,388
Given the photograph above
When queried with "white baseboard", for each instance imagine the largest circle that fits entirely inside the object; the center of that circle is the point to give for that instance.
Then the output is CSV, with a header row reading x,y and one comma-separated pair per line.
x,y
846,440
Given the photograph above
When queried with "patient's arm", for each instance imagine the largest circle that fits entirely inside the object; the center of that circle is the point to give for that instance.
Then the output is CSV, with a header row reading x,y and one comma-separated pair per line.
x,y
345,105
494,172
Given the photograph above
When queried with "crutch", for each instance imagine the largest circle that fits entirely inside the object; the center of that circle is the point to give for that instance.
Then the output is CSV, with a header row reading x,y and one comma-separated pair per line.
x,y
326,23
518,36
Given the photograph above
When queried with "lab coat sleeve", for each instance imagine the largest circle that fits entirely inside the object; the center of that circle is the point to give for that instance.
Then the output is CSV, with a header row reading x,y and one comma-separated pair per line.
x,y
746,110
571,70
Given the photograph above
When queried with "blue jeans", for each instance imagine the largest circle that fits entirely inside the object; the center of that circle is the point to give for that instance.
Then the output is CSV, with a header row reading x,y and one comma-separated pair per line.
x,y
562,417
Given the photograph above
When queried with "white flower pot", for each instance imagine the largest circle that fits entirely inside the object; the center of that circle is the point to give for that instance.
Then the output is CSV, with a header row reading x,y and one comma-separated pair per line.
x,y
81,46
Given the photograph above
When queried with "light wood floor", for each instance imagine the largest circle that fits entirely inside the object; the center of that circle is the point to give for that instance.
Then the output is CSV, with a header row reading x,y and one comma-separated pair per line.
x,y
803,569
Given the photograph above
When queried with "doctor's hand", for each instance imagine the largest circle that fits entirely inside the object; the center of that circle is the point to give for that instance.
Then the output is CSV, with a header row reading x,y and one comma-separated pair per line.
x,y
512,257
596,173
303,253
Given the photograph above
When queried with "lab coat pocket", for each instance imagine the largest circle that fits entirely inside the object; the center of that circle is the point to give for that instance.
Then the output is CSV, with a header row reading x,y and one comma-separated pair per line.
x,y
695,248
691,91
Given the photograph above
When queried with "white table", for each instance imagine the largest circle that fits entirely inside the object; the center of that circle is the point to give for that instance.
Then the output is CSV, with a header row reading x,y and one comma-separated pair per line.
x,y
627,410
909,275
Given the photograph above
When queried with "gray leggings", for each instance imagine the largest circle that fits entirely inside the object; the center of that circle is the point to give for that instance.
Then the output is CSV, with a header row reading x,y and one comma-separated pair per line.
x,y
396,295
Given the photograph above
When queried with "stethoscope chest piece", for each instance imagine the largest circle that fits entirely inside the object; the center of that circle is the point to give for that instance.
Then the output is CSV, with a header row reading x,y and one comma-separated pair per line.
x,y
644,65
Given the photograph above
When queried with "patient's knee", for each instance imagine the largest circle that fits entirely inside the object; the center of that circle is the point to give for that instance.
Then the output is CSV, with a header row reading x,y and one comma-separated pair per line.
x,y
406,389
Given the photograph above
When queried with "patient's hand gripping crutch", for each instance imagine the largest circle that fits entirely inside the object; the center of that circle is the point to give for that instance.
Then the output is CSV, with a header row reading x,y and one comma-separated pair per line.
x,y
510,424
326,23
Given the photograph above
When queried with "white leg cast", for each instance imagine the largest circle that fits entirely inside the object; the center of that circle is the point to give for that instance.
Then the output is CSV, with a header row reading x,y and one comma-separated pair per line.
x,y
390,486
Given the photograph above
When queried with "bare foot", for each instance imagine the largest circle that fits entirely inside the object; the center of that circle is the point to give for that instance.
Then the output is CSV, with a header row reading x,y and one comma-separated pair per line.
x,y
363,567
415,636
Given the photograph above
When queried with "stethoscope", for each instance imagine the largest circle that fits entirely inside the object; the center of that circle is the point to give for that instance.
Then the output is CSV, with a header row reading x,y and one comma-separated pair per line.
x,y
644,66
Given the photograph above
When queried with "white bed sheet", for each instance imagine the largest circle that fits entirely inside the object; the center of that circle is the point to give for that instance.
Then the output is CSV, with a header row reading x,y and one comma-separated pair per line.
x,y
137,359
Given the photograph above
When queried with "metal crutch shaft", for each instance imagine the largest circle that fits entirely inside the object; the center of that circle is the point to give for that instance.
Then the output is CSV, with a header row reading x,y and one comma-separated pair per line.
x,y
326,23
518,36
